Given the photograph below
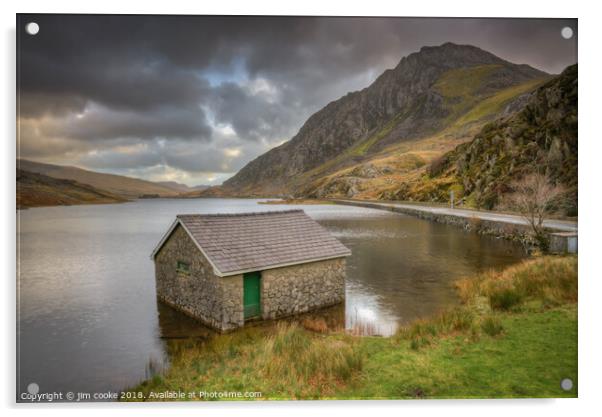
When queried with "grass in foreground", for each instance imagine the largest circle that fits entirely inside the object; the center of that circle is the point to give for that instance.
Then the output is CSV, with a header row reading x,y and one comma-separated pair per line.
x,y
494,345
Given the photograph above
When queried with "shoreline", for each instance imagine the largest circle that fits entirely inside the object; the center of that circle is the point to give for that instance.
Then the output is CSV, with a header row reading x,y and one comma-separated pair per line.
x,y
90,203
297,201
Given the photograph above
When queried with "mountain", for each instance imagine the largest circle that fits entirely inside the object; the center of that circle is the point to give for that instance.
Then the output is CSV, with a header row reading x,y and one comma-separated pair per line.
x,y
182,188
174,186
35,190
430,102
117,184
206,191
541,137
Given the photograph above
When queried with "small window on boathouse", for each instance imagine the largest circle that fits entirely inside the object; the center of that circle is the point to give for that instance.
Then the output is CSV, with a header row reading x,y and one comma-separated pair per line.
x,y
183,267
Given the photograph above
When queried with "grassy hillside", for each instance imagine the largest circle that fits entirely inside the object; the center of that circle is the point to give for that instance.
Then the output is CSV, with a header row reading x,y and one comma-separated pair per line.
x,y
117,184
36,190
514,336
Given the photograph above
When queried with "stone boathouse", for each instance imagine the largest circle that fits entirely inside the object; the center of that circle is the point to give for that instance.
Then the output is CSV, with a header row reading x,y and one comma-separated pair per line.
x,y
224,269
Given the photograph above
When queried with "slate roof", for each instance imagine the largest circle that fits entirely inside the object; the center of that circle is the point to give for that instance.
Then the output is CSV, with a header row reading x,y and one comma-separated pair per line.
x,y
244,242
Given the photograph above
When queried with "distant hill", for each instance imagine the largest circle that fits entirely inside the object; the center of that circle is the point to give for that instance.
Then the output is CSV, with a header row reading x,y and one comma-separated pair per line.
x,y
541,137
36,190
364,142
182,188
117,184
206,191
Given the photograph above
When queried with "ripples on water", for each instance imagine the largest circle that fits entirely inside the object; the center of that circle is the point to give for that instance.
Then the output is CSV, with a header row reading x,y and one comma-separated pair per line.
x,y
88,316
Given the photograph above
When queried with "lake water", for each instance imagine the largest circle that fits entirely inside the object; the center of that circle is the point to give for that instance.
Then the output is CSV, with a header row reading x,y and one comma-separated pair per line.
x,y
88,319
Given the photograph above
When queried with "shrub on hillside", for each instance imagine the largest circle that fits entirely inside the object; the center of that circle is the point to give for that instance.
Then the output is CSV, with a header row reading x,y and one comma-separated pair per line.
x,y
505,298
492,326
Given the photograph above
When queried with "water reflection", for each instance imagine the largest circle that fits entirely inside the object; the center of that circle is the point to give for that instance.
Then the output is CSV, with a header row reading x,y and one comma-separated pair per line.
x,y
403,268
175,325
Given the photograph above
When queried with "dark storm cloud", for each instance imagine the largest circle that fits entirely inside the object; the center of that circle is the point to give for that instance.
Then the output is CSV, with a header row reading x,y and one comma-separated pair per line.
x,y
252,116
93,81
101,123
131,84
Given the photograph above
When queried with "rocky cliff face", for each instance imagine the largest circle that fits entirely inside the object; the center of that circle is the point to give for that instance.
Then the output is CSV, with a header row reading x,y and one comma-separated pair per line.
x,y
423,94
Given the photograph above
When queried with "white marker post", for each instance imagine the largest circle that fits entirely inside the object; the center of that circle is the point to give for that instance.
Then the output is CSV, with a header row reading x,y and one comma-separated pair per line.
x,y
451,198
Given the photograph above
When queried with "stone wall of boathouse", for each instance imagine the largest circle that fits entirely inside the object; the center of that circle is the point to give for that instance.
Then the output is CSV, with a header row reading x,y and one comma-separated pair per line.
x,y
302,288
213,300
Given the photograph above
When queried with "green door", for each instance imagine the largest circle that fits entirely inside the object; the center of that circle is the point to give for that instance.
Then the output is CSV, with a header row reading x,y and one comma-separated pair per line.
x,y
251,291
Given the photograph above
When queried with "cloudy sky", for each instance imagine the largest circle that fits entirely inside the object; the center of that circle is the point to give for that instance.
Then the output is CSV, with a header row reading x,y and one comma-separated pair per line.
x,y
194,98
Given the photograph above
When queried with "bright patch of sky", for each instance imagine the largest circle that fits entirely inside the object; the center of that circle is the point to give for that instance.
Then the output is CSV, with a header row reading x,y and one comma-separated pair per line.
x,y
236,73
163,172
